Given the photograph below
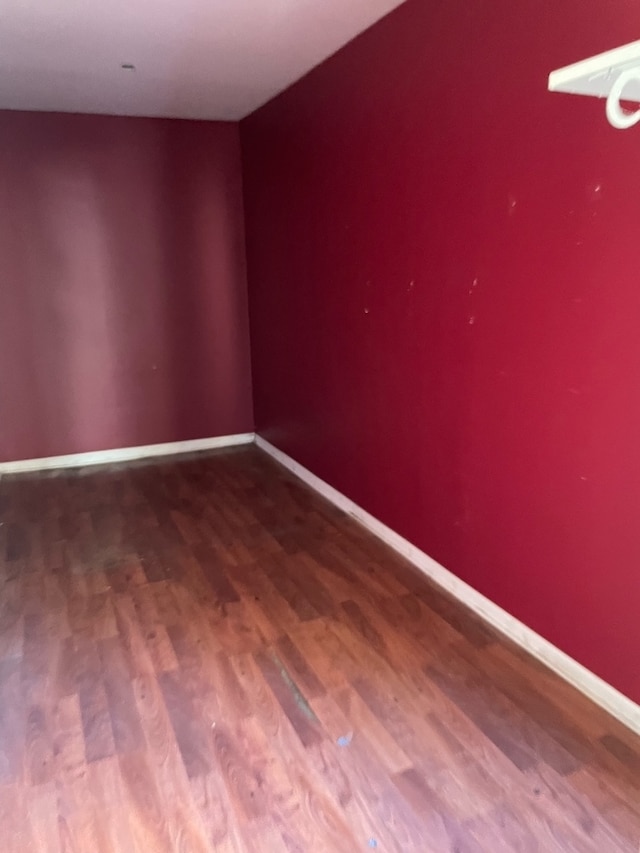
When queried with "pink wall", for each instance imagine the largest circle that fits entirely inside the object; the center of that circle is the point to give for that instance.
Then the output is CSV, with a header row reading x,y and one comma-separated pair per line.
x,y
444,265
123,315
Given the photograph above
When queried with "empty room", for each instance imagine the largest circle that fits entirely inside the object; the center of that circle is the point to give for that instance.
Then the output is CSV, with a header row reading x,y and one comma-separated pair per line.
x,y
319,426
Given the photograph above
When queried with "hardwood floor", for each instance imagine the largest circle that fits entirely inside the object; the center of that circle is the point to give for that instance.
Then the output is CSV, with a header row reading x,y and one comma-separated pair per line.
x,y
202,655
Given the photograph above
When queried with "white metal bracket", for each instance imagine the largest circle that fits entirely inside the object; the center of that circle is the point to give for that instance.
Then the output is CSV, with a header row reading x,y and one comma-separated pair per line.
x,y
613,75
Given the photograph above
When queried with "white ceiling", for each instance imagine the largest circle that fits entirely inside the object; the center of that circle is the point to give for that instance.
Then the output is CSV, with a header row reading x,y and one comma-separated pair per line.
x,y
213,59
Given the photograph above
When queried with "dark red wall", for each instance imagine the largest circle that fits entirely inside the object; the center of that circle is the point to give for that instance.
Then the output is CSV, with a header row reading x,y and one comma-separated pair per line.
x,y
123,317
444,265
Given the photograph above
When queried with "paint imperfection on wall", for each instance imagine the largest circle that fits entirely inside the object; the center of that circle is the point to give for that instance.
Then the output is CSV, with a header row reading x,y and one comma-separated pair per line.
x,y
594,191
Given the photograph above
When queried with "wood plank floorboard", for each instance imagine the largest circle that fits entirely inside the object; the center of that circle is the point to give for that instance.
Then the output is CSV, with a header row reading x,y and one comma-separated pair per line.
x,y
201,654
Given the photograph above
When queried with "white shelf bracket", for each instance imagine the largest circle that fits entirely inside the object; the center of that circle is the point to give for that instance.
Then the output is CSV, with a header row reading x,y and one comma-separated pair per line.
x,y
613,75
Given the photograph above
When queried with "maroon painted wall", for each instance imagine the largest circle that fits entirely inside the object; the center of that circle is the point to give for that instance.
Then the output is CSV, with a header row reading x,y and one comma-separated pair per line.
x,y
123,317
444,267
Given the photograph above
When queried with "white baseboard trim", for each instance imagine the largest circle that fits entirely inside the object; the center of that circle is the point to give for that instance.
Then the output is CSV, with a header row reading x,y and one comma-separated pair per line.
x,y
124,454
598,690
